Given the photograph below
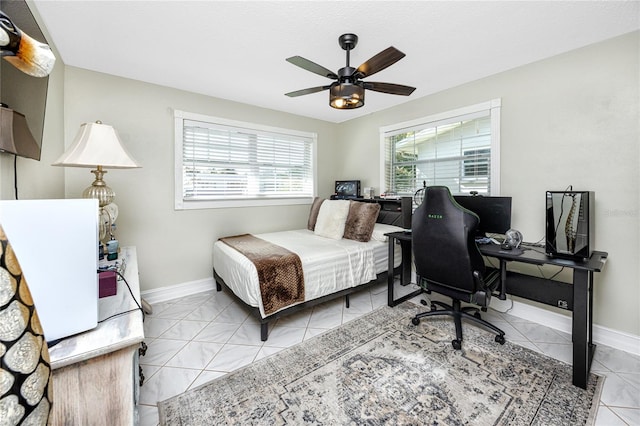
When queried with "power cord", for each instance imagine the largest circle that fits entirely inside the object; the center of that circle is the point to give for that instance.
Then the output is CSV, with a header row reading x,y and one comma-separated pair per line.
x,y
139,308
15,175
552,276
52,343
507,310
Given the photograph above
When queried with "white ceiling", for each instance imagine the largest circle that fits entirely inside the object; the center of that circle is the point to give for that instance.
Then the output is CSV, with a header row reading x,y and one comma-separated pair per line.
x,y
236,50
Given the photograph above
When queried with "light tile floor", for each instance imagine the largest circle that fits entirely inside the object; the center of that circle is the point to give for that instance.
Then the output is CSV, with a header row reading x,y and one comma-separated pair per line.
x,y
198,338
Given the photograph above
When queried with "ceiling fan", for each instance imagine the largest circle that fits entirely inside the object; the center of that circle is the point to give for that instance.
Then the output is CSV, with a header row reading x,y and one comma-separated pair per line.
x,y
347,91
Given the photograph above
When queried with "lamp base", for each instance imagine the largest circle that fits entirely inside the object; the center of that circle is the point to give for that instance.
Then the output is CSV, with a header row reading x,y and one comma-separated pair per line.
x,y
99,189
108,216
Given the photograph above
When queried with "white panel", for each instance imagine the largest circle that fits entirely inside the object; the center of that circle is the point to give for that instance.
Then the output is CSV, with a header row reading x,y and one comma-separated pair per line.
x,y
56,243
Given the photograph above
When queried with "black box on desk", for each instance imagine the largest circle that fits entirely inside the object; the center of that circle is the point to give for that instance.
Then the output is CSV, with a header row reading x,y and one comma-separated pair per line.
x,y
570,232
108,284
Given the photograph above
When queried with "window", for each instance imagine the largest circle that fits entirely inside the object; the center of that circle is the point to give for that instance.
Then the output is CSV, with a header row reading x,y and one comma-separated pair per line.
x,y
476,162
458,149
223,163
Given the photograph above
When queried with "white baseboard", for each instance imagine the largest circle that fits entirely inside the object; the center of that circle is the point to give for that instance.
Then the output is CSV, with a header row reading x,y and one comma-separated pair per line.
x,y
164,294
601,335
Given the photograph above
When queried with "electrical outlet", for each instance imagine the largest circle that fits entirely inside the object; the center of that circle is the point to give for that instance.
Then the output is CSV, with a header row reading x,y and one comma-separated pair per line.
x,y
563,304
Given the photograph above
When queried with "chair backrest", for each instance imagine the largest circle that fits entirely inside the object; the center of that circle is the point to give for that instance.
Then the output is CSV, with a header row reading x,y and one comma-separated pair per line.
x,y
443,239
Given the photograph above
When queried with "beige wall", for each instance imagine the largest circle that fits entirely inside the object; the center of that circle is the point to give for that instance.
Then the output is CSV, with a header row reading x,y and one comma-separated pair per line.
x,y
569,120
173,247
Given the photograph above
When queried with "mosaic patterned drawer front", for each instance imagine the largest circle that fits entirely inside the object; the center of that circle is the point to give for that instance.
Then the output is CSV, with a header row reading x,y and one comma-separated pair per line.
x,y
25,373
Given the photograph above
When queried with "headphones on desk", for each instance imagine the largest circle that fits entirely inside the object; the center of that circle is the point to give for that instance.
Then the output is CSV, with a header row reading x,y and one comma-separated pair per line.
x,y
513,237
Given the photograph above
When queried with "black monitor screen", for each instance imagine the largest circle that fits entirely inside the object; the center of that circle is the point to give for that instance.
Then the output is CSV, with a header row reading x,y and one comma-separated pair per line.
x,y
347,189
494,212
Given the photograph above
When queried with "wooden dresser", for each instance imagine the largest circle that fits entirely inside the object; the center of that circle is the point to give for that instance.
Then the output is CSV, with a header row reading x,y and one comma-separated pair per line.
x,y
95,373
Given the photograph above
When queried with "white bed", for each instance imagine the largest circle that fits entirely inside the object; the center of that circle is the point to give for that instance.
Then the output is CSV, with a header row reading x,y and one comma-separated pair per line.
x,y
329,265
332,266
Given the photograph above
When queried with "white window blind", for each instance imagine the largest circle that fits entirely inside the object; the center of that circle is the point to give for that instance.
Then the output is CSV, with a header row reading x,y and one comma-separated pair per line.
x,y
458,149
232,163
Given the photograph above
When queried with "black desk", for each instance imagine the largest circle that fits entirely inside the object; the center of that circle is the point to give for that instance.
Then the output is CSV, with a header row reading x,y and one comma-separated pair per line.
x,y
576,297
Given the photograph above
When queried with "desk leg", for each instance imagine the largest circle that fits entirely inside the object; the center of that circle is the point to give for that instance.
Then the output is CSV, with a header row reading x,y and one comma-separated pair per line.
x,y
390,275
503,280
405,272
581,327
405,277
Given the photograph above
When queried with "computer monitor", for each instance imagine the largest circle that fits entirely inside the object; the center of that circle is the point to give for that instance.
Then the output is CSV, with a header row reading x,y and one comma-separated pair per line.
x,y
494,212
346,189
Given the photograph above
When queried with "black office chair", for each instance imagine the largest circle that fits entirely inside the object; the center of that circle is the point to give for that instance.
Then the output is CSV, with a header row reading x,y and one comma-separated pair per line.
x,y
448,261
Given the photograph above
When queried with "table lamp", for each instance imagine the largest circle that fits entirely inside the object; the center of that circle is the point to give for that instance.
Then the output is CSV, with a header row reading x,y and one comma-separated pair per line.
x,y
98,146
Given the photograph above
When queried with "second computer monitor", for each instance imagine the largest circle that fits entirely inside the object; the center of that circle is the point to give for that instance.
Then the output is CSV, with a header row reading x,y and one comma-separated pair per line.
x,y
494,212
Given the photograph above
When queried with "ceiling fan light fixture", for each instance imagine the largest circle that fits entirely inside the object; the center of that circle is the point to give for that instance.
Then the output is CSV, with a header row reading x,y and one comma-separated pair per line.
x,y
346,96
347,90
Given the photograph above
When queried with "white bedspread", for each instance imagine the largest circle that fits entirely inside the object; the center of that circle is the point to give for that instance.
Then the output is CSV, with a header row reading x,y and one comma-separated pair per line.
x,y
328,265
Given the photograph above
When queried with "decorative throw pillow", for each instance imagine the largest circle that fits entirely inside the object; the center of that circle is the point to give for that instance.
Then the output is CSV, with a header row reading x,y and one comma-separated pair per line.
x,y
332,218
313,213
360,220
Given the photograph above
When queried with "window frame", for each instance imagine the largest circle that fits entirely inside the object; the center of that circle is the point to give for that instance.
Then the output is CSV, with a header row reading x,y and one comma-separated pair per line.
x,y
492,109
184,204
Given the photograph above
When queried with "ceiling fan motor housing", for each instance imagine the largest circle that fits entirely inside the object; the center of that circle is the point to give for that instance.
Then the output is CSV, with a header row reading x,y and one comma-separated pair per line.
x,y
346,74
348,41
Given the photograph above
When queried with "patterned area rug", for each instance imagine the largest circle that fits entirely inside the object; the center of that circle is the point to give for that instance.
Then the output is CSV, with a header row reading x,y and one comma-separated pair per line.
x,y
381,369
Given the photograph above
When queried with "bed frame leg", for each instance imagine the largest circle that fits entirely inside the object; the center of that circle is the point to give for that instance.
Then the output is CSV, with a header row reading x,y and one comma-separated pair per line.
x,y
264,331
218,286
346,301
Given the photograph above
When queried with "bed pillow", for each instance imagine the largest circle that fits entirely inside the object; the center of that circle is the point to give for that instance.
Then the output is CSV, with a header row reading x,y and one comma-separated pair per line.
x,y
360,221
379,229
313,213
332,218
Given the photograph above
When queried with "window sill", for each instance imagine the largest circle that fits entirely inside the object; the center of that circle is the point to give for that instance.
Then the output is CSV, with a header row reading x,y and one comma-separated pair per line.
x,y
254,202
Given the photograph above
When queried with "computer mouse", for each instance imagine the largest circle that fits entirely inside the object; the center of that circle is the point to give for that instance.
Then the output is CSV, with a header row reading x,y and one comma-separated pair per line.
x,y
506,246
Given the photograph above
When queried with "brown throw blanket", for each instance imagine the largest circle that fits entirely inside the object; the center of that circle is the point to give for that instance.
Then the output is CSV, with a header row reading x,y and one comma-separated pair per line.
x,y
279,271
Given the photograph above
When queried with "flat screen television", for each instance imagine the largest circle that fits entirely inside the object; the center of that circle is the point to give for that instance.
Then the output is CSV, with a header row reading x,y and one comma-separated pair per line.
x,y
19,91
494,212
346,189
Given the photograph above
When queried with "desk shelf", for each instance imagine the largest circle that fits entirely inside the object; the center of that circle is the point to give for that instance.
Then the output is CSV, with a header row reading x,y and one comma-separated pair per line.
x,y
546,291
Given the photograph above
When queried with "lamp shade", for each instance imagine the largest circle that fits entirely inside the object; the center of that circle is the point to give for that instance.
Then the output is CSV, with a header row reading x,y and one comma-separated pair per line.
x,y
15,136
97,144
346,96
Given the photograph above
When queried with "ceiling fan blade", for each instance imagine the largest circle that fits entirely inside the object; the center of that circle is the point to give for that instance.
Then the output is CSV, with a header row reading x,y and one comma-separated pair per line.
x,y
307,91
312,66
393,89
382,60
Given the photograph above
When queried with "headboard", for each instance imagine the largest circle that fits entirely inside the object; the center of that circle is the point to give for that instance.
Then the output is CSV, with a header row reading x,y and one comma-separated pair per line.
x,y
393,211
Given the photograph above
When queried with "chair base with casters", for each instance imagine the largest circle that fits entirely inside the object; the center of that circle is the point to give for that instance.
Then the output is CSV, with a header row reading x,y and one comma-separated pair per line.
x,y
458,312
